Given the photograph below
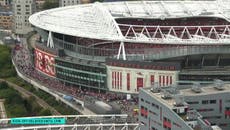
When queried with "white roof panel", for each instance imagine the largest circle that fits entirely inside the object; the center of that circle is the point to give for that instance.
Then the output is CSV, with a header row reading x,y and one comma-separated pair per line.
x,y
97,20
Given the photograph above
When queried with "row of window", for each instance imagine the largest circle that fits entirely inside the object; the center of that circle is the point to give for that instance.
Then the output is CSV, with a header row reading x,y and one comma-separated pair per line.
x,y
144,112
80,80
75,74
211,117
167,123
203,102
81,67
148,102
208,101
205,110
84,49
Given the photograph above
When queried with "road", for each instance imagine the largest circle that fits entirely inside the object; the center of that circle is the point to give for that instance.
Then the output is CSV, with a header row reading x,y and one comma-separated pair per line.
x,y
28,94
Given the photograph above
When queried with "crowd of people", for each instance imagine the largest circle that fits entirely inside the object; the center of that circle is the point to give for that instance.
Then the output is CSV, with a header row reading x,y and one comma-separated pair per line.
x,y
23,61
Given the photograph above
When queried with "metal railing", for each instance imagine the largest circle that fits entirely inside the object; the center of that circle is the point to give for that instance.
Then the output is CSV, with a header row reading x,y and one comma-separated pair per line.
x,y
120,122
163,53
100,54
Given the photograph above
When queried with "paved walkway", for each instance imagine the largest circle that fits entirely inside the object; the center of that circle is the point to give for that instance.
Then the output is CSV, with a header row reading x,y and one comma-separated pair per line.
x,y
3,114
84,111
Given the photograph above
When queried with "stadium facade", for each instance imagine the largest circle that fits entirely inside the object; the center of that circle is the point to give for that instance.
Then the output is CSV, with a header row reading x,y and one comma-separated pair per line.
x,y
125,46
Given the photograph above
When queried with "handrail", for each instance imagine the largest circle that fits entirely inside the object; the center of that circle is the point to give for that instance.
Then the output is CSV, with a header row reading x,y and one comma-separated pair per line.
x,y
146,53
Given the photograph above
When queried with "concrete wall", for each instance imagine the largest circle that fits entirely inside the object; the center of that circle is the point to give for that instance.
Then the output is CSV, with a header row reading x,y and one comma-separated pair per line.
x,y
156,120
213,112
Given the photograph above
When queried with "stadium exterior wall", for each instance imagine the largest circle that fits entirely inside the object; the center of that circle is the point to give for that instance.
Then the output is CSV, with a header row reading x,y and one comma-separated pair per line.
x,y
130,80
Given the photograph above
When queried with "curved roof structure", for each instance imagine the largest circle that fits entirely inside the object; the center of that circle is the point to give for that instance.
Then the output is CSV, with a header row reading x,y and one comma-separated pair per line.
x,y
97,20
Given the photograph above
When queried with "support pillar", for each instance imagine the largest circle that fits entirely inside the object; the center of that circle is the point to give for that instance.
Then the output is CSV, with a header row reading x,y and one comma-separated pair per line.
x,y
121,48
202,61
218,60
50,42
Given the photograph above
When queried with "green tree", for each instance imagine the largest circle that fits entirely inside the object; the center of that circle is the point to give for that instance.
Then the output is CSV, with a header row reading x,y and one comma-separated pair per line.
x,y
6,67
45,112
3,85
50,4
18,110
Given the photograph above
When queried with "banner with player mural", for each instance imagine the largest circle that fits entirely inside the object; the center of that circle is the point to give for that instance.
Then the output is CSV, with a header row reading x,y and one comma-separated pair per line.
x,y
44,62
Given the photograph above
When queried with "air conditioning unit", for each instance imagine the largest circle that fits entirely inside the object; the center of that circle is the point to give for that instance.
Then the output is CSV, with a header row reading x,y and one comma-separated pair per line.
x,y
196,87
219,84
166,94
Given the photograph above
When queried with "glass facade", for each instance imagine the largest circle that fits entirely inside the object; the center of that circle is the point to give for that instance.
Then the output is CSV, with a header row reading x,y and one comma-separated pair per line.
x,y
82,75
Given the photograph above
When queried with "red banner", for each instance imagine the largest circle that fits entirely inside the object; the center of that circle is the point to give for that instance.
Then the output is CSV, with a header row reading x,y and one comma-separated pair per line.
x,y
44,62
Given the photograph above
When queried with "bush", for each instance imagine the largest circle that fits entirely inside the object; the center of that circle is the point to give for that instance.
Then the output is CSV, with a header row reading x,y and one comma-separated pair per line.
x,y
45,112
3,85
6,67
50,4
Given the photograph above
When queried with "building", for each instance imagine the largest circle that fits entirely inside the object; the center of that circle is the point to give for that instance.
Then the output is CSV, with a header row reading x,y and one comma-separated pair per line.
x,y
5,20
39,4
4,2
63,3
185,109
124,46
22,9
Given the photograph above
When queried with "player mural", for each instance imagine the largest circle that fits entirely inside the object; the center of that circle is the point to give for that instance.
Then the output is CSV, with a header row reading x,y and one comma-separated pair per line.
x,y
44,62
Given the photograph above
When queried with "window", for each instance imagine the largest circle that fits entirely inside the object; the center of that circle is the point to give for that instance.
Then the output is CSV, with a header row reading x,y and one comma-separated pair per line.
x,y
205,102
211,117
155,105
147,102
212,101
144,112
154,113
193,102
167,124
205,110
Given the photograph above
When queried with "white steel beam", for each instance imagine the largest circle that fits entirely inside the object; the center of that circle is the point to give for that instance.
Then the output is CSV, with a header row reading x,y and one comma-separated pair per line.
x,y
146,8
185,8
50,42
106,19
162,3
127,7
121,48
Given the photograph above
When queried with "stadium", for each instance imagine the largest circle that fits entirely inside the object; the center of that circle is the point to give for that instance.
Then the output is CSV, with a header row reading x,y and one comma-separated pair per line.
x,y
124,46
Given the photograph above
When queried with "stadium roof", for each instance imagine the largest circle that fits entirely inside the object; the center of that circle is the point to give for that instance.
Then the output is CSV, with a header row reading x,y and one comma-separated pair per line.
x,y
97,20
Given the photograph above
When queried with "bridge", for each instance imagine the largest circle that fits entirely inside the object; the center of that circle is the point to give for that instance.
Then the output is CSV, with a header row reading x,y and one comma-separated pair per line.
x,y
74,122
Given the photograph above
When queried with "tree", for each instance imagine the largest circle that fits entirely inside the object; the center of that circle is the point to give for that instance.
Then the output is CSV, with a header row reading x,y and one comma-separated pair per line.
x,y
18,110
45,112
3,85
6,67
50,4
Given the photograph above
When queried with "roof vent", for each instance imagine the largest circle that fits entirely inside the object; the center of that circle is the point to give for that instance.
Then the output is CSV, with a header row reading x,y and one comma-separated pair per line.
x,y
179,100
155,87
196,87
166,94
219,84
173,90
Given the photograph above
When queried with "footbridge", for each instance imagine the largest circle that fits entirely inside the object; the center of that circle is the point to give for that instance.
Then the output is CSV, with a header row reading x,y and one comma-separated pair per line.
x,y
71,122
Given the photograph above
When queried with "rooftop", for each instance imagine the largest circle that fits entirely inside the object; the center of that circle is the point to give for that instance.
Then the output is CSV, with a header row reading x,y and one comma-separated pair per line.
x,y
169,99
168,96
206,90
97,20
